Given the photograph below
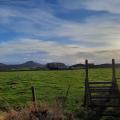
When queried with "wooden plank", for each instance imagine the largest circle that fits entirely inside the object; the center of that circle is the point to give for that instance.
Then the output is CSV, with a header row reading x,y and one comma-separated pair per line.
x,y
100,82
99,100
104,105
104,97
92,89
100,90
111,114
95,87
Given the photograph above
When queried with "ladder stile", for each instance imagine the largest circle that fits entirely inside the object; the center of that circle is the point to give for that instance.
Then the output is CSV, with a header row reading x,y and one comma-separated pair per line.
x,y
100,94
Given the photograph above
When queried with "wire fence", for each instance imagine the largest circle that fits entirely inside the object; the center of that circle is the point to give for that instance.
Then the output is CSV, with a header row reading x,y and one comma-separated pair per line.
x,y
19,88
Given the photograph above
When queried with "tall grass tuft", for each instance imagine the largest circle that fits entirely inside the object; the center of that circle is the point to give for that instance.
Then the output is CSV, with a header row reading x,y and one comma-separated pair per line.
x,y
35,111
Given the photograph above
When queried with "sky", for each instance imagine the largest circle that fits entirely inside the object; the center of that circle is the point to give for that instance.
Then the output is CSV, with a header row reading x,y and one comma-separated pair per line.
x,y
68,31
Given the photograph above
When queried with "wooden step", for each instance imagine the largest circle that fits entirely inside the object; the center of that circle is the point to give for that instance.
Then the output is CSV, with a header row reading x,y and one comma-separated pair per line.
x,y
100,90
111,114
94,87
98,101
104,97
107,88
100,82
104,105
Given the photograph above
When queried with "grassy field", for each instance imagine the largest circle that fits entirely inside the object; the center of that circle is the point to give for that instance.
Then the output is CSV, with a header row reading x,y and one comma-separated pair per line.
x,y
50,85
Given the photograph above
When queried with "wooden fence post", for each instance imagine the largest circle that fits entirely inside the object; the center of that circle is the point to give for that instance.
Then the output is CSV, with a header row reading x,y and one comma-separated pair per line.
x,y
114,80
33,94
86,83
113,71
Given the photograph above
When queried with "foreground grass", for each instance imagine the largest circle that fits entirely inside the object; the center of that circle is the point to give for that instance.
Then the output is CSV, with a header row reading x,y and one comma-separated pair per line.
x,y
50,86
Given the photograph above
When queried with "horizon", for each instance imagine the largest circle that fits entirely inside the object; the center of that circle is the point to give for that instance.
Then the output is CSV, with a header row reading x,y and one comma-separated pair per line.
x,y
57,62
59,30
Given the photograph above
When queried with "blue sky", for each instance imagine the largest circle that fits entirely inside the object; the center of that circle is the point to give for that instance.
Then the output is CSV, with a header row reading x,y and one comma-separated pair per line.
x,y
59,30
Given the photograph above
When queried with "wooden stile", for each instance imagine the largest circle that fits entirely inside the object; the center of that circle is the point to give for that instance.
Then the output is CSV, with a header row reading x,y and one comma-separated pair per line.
x,y
99,93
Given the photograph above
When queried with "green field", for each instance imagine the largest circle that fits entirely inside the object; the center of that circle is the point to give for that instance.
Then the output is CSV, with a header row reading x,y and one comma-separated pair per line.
x,y
50,85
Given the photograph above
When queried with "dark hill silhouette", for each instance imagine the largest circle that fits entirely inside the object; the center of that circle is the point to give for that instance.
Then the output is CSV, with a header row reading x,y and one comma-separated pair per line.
x,y
31,65
92,65
106,65
79,66
1,64
56,66
25,66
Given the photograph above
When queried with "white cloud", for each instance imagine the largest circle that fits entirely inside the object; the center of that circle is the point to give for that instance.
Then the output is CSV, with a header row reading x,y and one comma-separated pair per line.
x,y
32,21
96,33
41,51
35,49
103,56
112,6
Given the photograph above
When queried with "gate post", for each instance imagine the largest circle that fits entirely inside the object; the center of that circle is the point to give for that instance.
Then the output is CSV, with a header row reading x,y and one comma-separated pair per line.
x,y
86,84
113,71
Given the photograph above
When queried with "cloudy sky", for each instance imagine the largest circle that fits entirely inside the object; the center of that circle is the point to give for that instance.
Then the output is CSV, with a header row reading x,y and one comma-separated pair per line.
x,y
59,30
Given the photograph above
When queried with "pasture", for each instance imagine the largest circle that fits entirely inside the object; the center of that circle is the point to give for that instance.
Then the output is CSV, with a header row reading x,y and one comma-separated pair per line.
x,y
15,87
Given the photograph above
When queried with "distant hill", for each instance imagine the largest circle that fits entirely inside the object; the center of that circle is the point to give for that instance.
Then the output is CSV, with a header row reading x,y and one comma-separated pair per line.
x,y
1,64
76,66
79,66
107,65
92,65
25,66
31,65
